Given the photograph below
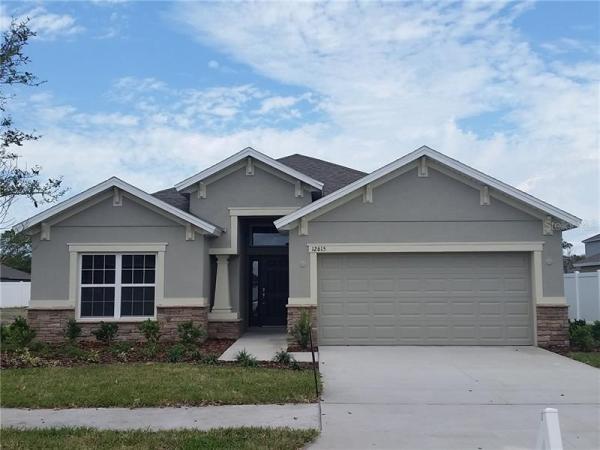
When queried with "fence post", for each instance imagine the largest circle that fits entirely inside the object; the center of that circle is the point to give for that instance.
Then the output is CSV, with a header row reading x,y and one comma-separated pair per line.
x,y
549,436
577,295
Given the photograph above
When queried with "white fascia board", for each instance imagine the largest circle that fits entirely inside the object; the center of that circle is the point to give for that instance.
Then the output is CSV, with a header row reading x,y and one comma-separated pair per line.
x,y
288,221
126,187
245,153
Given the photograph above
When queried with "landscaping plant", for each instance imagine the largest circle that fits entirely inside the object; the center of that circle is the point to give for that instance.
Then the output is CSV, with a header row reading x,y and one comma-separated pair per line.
x,y
176,353
283,357
151,331
106,333
17,335
246,359
189,334
302,329
581,337
72,330
596,331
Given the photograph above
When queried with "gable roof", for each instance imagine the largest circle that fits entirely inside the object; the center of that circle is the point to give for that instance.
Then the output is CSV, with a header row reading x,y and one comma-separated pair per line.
x,y
287,222
592,239
8,273
241,155
593,260
332,175
126,187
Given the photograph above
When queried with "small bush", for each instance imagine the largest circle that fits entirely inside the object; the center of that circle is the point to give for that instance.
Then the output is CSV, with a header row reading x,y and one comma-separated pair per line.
x,y
120,347
581,337
573,324
25,359
151,330
294,364
246,359
596,331
18,334
150,350
190,334
93,356
302,329
210,359
72,330
3,333
74,352
176,353
106,333
283,357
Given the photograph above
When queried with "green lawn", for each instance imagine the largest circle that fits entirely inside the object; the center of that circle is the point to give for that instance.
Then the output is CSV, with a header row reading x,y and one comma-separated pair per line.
x,y
593,359
136,385
85,438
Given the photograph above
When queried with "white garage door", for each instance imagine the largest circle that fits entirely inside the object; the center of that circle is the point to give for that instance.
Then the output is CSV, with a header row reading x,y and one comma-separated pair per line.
x,y
425,299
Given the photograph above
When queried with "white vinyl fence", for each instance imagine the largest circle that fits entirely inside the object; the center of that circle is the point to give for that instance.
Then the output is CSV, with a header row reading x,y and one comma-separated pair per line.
x,y
582,290
15,294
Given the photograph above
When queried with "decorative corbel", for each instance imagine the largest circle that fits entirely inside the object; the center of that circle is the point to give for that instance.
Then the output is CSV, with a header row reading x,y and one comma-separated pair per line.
x,y
484,196
368,194
298,191
117,196
422,167
190,234
249,167
201,190
45,231
303,227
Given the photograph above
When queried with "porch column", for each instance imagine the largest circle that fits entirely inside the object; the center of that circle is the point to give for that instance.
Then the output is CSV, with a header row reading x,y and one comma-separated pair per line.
x,y
221,309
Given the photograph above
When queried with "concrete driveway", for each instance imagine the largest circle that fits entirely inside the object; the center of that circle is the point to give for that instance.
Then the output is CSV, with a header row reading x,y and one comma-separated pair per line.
x,y
454,398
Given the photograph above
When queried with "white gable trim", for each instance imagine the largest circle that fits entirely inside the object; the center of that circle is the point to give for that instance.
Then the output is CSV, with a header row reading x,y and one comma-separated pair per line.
x,y
109,184
290,221
242,155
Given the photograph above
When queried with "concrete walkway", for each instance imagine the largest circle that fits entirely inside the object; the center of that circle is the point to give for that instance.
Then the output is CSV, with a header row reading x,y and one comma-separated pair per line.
x,y
454,398
299,416
263,343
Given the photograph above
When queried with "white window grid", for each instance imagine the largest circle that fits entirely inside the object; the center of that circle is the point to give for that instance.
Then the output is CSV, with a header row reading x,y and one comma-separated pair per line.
x,y
117,285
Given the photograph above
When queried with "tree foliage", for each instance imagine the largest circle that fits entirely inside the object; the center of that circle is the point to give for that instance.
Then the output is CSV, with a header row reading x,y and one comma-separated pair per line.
x,y
568,258
15,250
18,182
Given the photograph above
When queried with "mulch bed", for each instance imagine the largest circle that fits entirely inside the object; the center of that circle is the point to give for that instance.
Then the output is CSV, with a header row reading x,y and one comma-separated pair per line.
x,y
91,352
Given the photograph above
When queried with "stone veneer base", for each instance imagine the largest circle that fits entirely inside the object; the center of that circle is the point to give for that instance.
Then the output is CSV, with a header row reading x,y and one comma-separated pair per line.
x,y
294,313
50,324
225,329
553,326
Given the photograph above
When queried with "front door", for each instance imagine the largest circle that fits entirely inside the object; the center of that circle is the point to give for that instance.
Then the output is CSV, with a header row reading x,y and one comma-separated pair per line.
x,y
268,290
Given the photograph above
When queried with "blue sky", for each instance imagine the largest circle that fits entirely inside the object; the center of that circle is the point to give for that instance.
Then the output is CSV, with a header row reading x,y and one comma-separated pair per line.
x,y
155,91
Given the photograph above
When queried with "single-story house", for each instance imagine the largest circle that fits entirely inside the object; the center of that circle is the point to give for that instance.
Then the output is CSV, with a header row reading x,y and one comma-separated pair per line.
x,y
591,262
11,275
423,251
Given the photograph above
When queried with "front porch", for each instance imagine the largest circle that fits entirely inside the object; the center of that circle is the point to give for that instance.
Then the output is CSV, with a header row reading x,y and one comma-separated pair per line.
x,y
263,343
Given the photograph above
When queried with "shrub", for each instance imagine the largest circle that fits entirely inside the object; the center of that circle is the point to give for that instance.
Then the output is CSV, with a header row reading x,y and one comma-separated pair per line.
x,y
3,333
72,330
596,331
106,333
151,330
302,329
246,359
210,359
74,352
18,334
581,337
190,334
283,357
176,353
150,350
573,324
117,348
23,358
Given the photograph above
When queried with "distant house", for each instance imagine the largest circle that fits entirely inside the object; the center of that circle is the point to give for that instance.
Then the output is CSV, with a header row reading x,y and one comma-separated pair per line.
x,y
591,262
8,274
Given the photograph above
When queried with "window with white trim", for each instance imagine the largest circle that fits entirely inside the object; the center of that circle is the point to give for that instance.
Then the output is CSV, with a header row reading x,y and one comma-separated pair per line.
x,y
117,285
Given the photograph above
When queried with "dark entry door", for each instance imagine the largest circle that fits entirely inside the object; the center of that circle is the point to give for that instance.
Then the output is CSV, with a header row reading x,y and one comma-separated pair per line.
x,y
268,290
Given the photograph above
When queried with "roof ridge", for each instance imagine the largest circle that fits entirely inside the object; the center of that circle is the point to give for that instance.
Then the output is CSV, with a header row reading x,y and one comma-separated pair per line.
x,y
323,161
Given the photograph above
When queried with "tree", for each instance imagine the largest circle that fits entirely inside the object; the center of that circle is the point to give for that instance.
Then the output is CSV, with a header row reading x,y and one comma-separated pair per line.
x,y
568,258
17,182
15,250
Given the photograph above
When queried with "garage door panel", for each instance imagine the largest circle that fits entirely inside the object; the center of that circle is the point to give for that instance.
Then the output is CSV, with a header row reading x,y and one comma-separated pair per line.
x,y
425,299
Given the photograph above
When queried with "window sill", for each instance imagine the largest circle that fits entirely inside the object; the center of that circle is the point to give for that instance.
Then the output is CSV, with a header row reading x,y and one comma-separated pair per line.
x,y
114,319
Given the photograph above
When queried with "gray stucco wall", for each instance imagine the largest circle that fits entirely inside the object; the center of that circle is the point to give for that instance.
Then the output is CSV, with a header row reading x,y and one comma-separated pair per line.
x,y
237,189
186,262
409,208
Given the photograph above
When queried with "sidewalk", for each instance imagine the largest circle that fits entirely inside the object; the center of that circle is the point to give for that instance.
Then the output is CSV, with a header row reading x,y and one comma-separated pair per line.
x,y
298,416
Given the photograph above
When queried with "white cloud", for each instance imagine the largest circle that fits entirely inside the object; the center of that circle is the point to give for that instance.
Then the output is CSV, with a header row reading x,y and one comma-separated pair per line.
x,y
49,25
212,64
388,77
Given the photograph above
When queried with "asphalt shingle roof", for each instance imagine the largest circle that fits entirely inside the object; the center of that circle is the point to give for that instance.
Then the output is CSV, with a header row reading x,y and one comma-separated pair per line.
x,y
333,176
594,259
174,198
592,239
8,273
